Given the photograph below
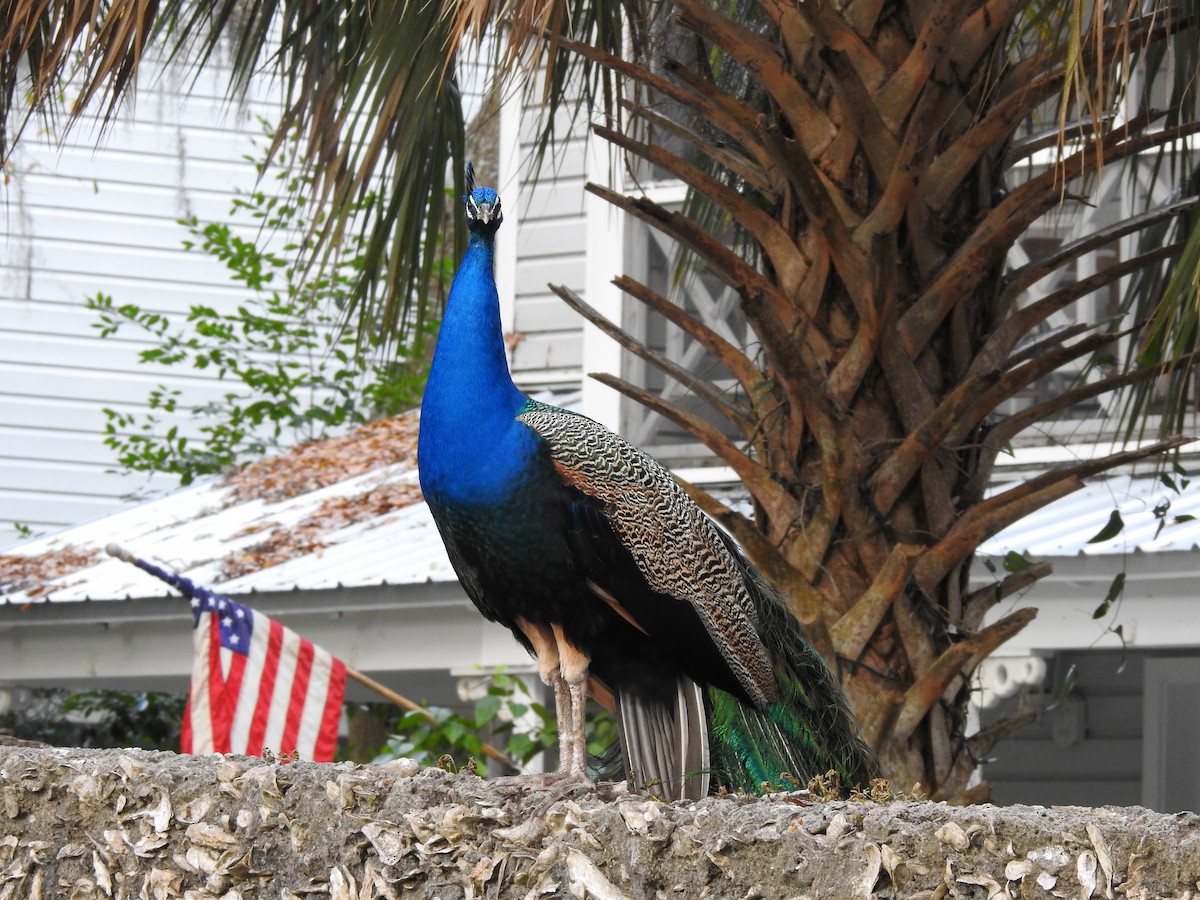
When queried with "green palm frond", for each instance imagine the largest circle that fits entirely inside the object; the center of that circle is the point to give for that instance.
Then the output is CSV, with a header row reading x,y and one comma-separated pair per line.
x,y
369,86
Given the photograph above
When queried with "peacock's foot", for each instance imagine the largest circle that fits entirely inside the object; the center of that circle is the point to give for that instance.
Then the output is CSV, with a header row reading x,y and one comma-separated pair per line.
x,y
546,781
561,785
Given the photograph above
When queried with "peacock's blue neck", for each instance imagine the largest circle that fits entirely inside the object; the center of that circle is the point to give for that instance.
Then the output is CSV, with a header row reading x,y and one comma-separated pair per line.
x,y
471,448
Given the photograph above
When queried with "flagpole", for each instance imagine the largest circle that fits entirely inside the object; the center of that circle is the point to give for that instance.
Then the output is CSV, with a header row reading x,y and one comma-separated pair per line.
x,y
404,703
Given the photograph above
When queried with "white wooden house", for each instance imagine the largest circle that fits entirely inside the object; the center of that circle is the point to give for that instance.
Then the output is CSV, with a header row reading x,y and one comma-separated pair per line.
x,y
379,592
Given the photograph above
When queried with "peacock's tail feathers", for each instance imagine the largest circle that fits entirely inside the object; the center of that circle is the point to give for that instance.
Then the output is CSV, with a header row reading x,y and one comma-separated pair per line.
x,y
666,745
805,731
783,746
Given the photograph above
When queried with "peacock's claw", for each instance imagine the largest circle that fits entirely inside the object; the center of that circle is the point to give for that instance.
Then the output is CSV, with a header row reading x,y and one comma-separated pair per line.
x,y
561,785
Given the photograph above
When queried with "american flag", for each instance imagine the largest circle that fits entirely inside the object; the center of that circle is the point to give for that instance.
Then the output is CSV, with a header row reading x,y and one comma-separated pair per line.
x,y
256,685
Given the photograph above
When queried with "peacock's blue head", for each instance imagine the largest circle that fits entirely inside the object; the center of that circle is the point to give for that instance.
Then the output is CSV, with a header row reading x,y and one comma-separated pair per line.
x,y
483,210
483,206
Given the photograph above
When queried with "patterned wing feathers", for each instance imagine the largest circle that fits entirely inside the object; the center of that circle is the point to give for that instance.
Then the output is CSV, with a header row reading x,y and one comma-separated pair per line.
x,y
677,549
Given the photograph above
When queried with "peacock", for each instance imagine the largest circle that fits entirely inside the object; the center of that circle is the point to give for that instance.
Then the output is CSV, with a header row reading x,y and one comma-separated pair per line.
x,y
612,577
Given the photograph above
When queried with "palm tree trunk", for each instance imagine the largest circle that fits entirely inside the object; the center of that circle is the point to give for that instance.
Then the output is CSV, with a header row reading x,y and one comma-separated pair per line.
x,y
860,157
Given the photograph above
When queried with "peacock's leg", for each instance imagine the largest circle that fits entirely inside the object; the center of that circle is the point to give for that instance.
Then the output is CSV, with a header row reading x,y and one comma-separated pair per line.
x,y
548,645
573,668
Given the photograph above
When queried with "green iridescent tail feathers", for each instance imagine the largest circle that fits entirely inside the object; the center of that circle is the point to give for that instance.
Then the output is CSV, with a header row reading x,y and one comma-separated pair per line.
x,y
806,732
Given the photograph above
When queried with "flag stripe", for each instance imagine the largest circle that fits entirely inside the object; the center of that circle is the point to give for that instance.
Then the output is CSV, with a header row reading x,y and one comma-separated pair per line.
x,y
311,719
216,689
253,683
185,732
262,705
229,698
197,731
281,697
326,742
296,702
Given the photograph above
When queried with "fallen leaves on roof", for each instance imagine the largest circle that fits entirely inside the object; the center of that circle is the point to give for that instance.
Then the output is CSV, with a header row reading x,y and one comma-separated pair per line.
x,y
309,467
319,464
307,536
31,573
316,465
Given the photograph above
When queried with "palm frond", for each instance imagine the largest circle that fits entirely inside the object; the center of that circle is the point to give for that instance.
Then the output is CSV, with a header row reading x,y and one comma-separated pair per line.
x,y
369,86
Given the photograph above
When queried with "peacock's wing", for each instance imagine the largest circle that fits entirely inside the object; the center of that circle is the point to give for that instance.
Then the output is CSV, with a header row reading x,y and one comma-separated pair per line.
x,y
653,555
650,552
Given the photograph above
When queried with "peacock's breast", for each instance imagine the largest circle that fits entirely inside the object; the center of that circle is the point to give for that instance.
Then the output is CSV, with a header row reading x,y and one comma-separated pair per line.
x,y
474,462
512,554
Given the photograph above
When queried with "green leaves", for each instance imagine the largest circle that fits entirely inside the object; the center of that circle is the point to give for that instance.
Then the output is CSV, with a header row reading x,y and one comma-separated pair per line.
x,y
1114,527
503,713
98,719
502,709
296,373
1015,562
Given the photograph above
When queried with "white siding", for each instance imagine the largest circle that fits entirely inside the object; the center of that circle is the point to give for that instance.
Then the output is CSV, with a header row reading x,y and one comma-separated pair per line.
x,y
551,244
1045,765
80,220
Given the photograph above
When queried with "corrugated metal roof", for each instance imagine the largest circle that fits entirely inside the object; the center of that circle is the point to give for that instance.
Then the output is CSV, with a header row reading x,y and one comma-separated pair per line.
x,y
196,530
1155,520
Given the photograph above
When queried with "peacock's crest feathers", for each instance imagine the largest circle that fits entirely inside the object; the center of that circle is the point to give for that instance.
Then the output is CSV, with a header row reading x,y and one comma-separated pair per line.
x,y
676,547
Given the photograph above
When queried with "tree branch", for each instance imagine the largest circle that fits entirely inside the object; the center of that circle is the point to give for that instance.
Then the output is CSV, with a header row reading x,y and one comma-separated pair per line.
x,y
993,515
819,202
853,630
748,375
789,264
1023,321
931,685
809,123
982,742
834,32
722,112
1019,279
1006,429
711,394
939,32
986,245
977,603
739,165
860,115
722,262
